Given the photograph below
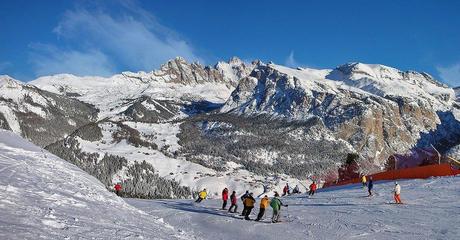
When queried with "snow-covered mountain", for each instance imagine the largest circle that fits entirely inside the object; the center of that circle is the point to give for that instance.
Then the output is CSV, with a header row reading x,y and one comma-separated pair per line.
x,y
140,117
377,109
176,82
170,132
46,197
38,115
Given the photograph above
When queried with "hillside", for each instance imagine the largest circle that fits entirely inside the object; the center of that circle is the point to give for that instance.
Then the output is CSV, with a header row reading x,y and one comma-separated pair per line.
x,y
46,197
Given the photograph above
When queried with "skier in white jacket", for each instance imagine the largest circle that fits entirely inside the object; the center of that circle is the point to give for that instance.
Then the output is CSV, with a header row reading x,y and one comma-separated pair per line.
x,y
397,193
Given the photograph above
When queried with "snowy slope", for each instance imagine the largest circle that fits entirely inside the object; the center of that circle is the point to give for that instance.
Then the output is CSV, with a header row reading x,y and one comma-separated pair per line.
x,y
45,197
430,212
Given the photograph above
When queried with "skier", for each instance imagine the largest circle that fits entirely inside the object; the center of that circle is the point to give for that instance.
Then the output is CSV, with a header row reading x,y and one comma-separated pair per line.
x,y
117,189
296,189
286,190
276,206
224,198
363,181
233,200
265,187
248,203
263,205
202,195
312,189
370,185
242,199
397,193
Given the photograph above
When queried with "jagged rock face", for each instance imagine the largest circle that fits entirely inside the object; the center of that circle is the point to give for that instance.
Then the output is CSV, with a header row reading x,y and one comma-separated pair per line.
x,y
376,125
235,69
179,71
38,115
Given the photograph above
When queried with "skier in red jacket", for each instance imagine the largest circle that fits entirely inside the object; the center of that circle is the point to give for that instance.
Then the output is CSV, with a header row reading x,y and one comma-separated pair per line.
x,y
224,198
312,189
117,189
233,200
286,190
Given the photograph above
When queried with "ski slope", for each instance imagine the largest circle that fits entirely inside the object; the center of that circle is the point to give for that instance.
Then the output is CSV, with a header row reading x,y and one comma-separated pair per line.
x,y
44,197
430,211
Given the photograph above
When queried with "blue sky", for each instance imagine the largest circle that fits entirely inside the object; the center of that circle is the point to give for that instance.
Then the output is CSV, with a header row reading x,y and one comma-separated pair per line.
x,y
105,37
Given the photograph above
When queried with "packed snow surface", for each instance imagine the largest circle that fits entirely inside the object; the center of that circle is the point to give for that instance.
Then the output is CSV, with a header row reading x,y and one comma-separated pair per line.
x,y
430,211
44,197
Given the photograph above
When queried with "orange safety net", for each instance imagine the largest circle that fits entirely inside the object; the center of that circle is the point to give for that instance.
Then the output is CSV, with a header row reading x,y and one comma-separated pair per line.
x,y
439,170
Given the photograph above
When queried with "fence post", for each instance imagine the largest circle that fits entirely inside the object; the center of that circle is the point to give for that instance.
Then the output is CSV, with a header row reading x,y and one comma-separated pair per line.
x,y
439,155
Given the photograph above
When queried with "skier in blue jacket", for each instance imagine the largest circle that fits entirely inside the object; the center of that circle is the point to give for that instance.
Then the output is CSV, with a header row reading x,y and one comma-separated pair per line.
x,y
370,185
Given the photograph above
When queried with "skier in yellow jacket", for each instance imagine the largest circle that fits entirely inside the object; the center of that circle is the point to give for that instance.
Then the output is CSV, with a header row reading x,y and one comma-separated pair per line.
x,y
201,196
364,181
248,206
263,205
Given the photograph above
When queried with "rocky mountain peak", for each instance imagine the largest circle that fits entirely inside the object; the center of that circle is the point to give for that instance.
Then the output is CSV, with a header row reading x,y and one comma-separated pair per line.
x,y
7,81
235,61
234,69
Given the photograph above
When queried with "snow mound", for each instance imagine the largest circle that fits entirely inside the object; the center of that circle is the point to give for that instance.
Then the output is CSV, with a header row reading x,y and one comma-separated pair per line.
x,y
45,197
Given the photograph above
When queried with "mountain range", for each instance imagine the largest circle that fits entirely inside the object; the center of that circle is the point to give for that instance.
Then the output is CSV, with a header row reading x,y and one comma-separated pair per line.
x,y
173,131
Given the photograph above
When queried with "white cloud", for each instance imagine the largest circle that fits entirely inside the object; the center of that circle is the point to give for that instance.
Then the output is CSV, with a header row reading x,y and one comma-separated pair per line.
x,y
450,74
104,44
48,59
290,61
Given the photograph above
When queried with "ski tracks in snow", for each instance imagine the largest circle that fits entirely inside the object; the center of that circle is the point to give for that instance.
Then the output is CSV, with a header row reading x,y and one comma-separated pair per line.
x,y
345,213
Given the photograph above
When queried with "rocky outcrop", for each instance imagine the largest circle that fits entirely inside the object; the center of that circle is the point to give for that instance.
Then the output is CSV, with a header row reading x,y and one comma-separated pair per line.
x,y
356,102
179,71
